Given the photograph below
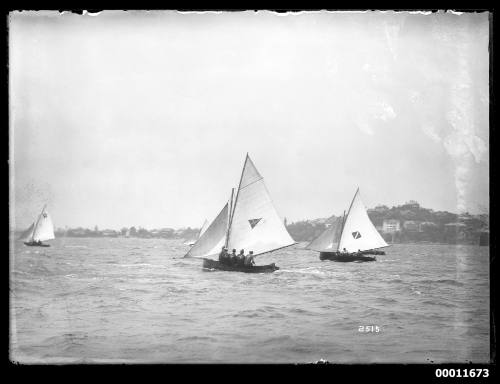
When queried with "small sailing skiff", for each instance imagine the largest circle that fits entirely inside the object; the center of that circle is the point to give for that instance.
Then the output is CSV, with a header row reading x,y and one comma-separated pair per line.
x,y
41,230
251,223
202,230
350,238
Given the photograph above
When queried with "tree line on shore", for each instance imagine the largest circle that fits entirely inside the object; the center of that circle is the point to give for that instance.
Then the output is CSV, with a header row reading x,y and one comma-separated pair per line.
x,y
400,224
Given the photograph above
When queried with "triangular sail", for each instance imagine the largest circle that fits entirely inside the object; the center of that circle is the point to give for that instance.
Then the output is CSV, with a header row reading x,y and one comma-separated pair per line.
x,y
359,233
203,228
213,239
27,234
44,229
329,238
255,224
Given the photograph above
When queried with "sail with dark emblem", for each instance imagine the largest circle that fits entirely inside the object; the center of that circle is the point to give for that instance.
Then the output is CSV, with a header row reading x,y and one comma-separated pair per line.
x,y
41,230
255,224
359,233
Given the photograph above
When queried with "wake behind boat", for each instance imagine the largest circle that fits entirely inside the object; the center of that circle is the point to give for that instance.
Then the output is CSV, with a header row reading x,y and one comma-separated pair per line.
x,y
251,223
351,238
39,231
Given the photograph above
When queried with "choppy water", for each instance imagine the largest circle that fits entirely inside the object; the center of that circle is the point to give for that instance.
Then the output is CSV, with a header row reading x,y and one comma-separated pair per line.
x,y
135,300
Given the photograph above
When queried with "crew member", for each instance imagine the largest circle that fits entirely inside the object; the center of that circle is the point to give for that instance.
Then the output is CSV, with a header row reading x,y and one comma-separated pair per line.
x,y
249,259
241,257
222,255
234,258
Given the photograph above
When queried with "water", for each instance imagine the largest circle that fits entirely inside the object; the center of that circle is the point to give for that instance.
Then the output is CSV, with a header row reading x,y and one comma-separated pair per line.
x,y
136,300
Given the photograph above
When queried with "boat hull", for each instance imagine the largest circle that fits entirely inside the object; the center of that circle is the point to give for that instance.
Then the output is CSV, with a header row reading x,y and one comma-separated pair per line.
x,y
214,264
345,257
36,245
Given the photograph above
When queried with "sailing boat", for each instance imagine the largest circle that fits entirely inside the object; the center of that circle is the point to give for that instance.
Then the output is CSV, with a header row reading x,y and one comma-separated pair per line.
x,y
40,230
202,230
251,223
350,238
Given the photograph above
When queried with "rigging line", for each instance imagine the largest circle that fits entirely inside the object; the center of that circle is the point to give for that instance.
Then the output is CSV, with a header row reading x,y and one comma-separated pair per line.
x,y
251,183
262,253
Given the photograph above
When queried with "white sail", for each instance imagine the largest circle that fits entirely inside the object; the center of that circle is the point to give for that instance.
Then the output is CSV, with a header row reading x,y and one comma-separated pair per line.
x,y
329,238
213,238
359,233
27,234
44,229
203,228
255,225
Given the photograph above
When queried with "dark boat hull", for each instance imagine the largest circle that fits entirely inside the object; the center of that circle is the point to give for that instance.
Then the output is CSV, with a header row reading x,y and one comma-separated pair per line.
x,y
214,264
345,257
36,245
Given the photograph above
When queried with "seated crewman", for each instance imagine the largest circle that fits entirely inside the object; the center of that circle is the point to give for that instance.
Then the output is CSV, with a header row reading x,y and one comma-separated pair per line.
x,y
249,259
241,257
233,258
222,255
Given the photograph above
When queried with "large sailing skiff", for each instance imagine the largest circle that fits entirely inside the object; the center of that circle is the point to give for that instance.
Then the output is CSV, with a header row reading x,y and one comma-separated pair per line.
x,y
40,230
251,223
350,238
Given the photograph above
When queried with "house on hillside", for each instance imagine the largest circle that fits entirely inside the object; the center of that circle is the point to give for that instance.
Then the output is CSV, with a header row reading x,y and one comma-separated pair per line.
x,y
391,226
412,226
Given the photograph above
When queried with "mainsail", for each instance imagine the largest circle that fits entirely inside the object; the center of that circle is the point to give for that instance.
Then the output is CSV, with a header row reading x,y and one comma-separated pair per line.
x,y
329,239
213,238
359,233
254,224
44,229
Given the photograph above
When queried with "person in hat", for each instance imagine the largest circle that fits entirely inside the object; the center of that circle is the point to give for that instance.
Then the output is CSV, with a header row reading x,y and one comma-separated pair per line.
x,y
234,257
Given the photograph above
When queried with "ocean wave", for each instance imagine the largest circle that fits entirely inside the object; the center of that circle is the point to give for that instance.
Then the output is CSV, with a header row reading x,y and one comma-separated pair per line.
x,y
197,338
267,311
441,281
304,271
440,303
394,281
277,339
386,300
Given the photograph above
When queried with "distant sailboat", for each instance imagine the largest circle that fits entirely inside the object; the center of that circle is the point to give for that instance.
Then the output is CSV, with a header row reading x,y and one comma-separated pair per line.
x,y
251,223
201,232
41,230
350,238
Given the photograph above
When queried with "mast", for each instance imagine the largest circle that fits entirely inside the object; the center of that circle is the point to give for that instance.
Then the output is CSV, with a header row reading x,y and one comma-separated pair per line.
x,y
341,230
36,224
231,212
229,221
350,206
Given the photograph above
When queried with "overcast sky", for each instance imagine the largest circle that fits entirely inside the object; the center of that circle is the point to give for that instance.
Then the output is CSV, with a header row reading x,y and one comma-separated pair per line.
x,y
145,118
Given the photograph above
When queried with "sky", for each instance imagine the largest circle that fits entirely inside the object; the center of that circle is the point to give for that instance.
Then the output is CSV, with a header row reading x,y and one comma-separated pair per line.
x,y
144,118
